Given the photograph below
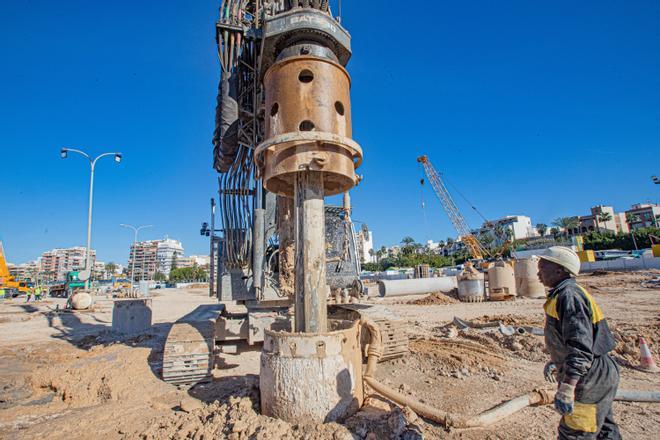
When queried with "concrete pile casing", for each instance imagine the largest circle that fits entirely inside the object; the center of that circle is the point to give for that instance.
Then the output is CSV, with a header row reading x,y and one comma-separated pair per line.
x,y
528,284
501,282
471,285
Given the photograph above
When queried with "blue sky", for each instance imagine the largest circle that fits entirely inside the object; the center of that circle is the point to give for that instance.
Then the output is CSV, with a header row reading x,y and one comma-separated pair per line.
x,y
536,108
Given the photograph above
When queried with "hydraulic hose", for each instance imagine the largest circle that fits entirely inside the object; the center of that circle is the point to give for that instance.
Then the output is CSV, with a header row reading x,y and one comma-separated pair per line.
x,y
486,418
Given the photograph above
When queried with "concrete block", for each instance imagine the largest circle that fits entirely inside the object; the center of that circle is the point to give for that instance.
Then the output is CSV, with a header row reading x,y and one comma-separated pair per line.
x,y
131,316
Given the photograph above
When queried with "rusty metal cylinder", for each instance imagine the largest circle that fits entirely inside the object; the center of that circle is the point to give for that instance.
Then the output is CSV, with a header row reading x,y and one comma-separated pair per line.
x,y
308,125
312,377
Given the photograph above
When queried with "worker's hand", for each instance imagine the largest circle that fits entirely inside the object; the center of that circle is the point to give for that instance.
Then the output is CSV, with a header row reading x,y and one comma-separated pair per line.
x,y
565,398
550,372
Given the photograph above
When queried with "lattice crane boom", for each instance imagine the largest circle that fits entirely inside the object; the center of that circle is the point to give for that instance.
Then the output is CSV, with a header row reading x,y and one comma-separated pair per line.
x,y
474,246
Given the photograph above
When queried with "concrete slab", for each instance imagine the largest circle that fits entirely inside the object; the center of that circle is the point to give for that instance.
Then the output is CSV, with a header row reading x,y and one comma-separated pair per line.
x,y
131,316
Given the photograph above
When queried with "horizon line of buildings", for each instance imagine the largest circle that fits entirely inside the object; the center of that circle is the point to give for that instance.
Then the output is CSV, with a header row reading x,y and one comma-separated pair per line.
x,y
150,256
602,218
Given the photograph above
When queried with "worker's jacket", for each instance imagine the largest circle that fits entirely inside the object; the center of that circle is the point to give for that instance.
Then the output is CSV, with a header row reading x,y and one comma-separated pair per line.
x,y
576,331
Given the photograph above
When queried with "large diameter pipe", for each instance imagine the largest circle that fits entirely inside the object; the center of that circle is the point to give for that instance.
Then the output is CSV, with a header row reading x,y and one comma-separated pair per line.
x,y
419,286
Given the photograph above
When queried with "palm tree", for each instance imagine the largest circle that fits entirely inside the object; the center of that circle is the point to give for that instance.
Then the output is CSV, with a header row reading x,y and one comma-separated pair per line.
x,y
568,224
632,219
541,228
407,241
371,254
602,217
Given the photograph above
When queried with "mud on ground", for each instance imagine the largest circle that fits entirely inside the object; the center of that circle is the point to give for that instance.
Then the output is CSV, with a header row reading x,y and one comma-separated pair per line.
x,y
67,376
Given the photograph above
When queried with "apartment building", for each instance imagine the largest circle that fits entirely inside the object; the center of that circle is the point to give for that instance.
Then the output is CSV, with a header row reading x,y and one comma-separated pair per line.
x,y
644,215
148,257
54,264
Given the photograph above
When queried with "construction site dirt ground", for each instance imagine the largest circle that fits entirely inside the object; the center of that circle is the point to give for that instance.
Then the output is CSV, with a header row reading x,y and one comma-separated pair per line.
x,y
64,375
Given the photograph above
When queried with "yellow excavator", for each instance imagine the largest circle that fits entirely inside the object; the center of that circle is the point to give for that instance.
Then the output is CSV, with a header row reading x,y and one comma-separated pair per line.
x,y
7,281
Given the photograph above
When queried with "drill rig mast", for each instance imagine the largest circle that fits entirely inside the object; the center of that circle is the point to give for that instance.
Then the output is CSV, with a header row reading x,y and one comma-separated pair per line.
x,y
255,252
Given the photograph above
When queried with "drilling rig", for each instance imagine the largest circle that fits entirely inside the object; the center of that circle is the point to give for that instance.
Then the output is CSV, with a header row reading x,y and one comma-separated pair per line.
x,y
282,143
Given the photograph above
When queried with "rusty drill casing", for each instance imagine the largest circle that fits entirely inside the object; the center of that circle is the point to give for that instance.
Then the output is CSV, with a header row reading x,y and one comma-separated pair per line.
x,y
308,125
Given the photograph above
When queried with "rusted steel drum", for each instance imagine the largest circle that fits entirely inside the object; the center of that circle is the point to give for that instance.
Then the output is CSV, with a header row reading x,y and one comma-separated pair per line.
x,y
308,125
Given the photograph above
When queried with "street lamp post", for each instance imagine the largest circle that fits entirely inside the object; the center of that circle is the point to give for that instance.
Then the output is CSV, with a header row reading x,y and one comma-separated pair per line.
x,y
92,162
135,239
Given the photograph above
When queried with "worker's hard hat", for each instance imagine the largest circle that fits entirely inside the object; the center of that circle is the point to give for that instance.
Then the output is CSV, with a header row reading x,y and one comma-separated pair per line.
x,y
563,256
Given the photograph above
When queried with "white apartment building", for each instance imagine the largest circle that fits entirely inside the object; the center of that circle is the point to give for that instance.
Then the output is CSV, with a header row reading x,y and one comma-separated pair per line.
x,y
520,227
148,257
365,245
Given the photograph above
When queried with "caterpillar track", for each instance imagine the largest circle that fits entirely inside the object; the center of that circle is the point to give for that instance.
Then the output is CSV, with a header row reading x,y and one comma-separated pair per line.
x,y
189,352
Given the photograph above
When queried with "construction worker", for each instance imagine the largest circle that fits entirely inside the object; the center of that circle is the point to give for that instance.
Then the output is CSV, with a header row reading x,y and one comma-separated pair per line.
x,y
29,294
37,293
2,293
578,340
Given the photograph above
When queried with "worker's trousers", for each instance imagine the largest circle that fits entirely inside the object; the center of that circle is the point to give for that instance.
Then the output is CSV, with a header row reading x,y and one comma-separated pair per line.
x,y
592,414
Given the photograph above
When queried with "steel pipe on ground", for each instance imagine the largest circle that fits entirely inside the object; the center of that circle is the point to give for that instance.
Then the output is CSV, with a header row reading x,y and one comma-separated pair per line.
x,y
419,286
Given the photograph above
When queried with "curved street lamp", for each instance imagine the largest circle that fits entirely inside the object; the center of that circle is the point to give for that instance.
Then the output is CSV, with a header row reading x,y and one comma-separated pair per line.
x,y
64,153
136,230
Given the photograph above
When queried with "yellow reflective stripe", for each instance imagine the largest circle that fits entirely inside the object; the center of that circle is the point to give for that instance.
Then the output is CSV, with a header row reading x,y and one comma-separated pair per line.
x,y
550,307
596,312
583,418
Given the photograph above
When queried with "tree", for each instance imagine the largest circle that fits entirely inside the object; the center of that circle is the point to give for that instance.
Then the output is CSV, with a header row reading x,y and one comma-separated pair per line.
x,y
372,253
568,224
603,217
110,268
407,241
632,219
160,276
541,228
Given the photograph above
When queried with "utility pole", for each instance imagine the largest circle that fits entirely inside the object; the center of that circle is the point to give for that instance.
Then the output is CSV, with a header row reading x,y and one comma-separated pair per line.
x,y
135,239
92,163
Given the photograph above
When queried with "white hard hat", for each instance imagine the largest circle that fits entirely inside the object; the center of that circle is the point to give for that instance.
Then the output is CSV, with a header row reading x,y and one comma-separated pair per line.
x,y
563,256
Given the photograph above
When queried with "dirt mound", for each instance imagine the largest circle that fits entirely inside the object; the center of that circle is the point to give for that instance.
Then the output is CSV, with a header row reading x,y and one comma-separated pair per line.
x,y
238,418
627,341
437,298
98,376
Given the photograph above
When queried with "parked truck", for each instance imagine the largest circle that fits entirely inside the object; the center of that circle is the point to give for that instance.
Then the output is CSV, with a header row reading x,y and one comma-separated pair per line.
x,y
71,284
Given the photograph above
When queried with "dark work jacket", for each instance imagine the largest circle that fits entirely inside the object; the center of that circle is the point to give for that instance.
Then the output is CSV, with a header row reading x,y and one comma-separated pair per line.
x,y
576,331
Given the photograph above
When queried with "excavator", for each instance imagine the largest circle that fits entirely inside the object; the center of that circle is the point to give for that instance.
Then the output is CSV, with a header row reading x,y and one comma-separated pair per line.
x,y
7,281
254,255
